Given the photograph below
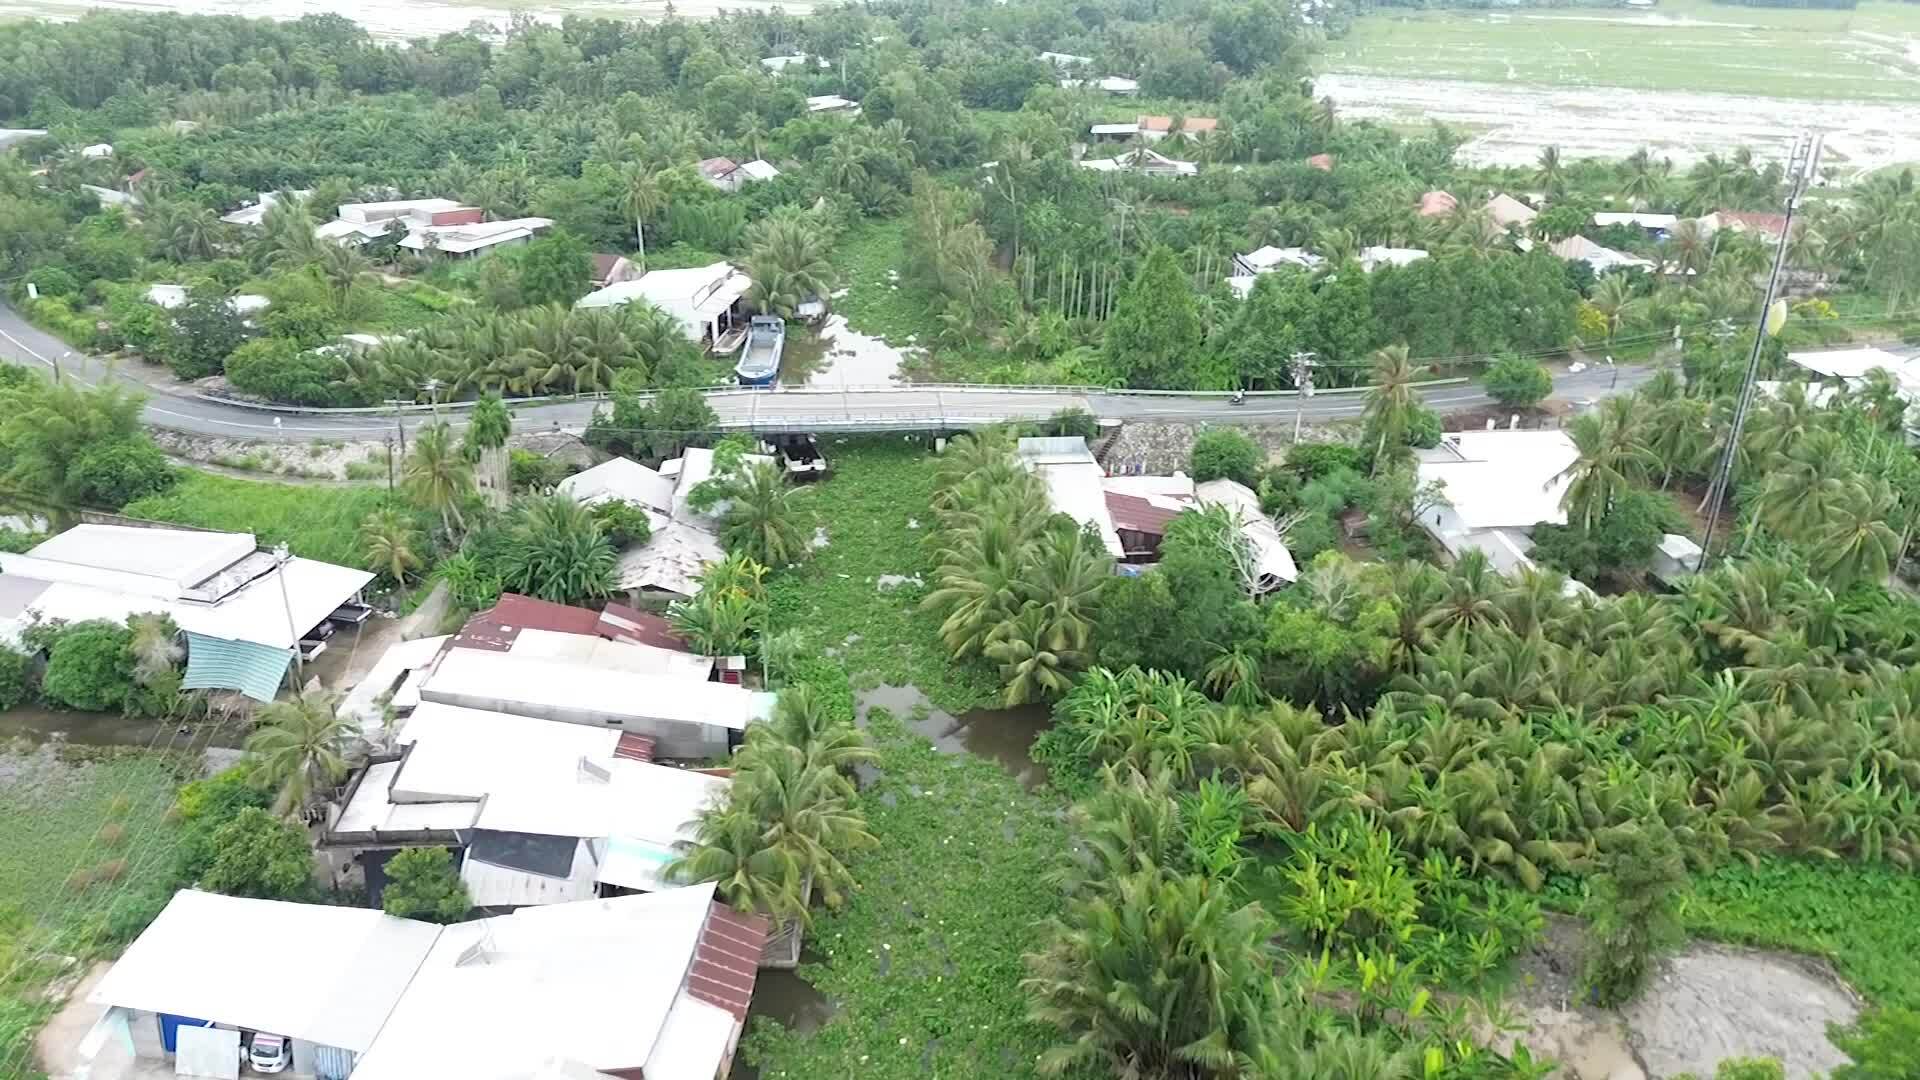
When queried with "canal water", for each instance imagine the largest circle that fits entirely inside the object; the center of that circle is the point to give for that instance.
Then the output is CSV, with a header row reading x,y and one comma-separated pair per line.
x,y
1002,736
40,725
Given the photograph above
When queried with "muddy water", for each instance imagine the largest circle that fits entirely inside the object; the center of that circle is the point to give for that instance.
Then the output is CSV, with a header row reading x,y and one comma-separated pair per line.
x,y
788,998
1002,736
105,729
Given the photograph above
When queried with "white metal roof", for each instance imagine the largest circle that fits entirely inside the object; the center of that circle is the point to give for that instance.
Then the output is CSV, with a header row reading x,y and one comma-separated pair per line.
x,y
1507,210
372,808
621,479
325,974
248,606
1644,221
461,239
760,169
1271,557
491,885
1501,479
596,980
183,557
1270,257
374,211
694,465
462,753
695,296
1849,363
1598,256
671,560
1374,257
829,103
1128,128
565,686
693,1042
613,655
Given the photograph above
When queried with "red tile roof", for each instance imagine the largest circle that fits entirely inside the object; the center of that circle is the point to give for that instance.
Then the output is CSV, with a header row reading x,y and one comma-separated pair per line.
x,y
1758,221
634,747
1135,514
495,629
718,167
1435,203
1188,124
1323,162
727,958
622,623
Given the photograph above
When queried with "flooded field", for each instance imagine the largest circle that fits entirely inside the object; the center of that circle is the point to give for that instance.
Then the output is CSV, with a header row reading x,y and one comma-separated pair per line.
x,y
1511,123
41,725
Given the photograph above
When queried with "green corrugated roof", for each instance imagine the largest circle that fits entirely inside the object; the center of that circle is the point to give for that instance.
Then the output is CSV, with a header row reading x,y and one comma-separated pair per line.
x,y
218,664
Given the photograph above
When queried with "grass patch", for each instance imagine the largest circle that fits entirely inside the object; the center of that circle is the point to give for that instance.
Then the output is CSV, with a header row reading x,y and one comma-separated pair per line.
x,y
1865,918
924,963
1683,45
85,859
878,490
876,304
316,522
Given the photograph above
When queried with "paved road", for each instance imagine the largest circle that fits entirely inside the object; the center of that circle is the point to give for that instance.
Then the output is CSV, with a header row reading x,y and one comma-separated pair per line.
x,y
811,409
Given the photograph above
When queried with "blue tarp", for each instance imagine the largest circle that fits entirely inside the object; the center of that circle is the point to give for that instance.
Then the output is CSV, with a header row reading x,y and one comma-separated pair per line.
x,y
218,664
170,1026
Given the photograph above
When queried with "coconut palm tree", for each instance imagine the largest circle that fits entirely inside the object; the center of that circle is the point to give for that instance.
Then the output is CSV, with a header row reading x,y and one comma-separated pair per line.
x,y
802,717
1391,403
1611,460
641,196
1646,178
438,476
1613,298
1156,975
761,519
299,748
388,540
1030,670
1689,249
155,646
488,425
788,265
729,847
557,551
1855,543
801,804
1551,174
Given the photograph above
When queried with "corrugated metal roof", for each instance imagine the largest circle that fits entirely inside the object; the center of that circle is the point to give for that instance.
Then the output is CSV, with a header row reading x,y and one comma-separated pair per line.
x,y
1134,514
622,623
727,959
495,629
634,746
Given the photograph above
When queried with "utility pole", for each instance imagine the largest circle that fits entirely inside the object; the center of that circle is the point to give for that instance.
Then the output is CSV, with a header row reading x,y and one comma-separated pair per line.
x,y
1302,363
283,556
1801,168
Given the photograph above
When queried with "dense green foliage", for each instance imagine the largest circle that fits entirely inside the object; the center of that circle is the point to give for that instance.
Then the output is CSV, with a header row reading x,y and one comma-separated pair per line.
x,y
1225,453
423,883
314,522
259,855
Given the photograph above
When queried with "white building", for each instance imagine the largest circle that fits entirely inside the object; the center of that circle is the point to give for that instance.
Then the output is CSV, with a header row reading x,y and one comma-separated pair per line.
x,y
1653,223
1066,61
1265,259
1144,162
325,977
779,64
832,104
656,983
1075,484
253,214
685,718
1598,256
1112,84
1497,485
1373,258
623,480
97,150
539,812
173,296
464,240
704,300
682,542
243,610
1272,564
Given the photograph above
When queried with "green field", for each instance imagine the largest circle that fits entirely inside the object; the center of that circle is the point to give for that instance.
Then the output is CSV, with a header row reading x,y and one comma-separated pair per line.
x,y
1682,45
317,522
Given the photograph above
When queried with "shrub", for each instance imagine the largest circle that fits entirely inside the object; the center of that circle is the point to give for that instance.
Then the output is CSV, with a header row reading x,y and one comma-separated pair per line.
x,y
423,884
1517,382
15,678
261,856
528,471
1884,1045
1314,460
277,369
89,667
1633,910
1072,422
112,475
623,523
1225,453
53,281
1310,536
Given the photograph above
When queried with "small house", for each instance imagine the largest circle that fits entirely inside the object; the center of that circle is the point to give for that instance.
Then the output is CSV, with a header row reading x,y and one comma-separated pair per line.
x,y
1144,162
705,300
1496,486
832,105
612,269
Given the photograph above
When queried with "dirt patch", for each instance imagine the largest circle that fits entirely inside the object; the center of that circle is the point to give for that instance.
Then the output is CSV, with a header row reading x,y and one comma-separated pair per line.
x,y
1706,1003
1157,448
321,459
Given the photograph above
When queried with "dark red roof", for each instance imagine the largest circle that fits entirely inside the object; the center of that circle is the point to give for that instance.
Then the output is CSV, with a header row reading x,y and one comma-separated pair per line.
x,y
495,629
1757,220
1135,514
605,265
718,167
634,747
727,958
622,623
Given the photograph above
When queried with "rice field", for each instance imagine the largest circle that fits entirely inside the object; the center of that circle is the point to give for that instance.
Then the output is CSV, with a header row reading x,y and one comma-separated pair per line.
x,y
1869,54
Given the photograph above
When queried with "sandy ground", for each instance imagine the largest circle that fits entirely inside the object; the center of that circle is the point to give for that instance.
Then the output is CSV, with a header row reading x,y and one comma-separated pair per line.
x,y
1515,121
401,20
1707,1003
